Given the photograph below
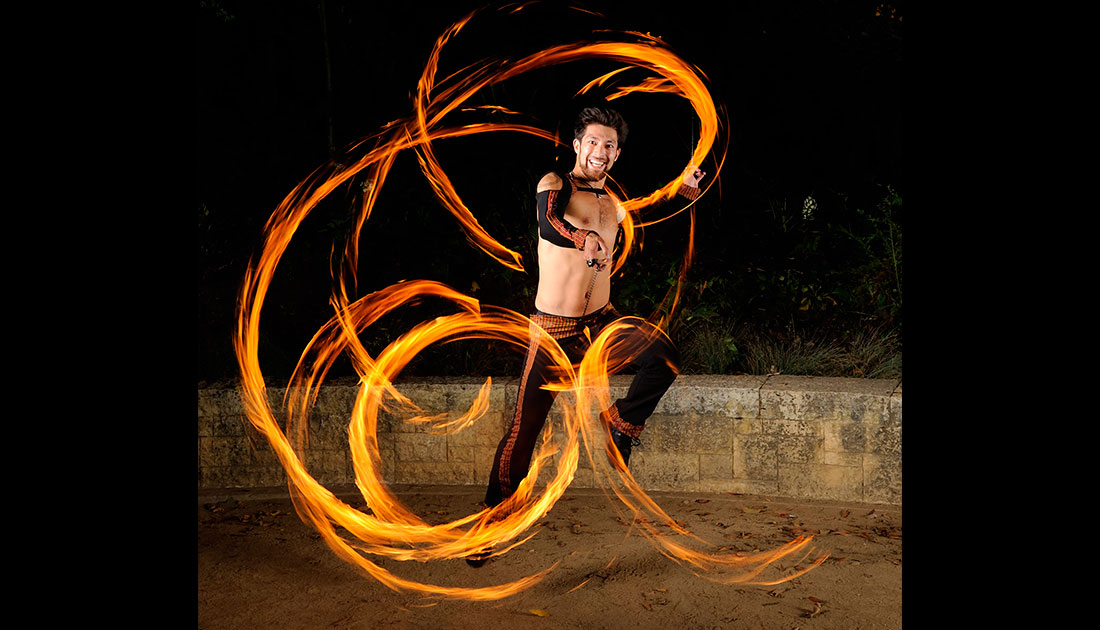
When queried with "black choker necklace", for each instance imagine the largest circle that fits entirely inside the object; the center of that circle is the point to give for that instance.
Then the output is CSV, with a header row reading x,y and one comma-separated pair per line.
x,y
599,192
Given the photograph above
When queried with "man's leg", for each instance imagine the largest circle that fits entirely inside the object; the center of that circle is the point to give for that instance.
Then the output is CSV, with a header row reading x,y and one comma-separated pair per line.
x,y
513,455
657,361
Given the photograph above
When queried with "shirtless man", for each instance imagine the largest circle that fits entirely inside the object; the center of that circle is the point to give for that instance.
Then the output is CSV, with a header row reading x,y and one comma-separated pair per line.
x,y
578,228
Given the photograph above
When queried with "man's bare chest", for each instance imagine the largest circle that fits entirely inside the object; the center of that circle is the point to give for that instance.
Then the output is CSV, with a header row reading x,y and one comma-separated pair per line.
x,y
586,210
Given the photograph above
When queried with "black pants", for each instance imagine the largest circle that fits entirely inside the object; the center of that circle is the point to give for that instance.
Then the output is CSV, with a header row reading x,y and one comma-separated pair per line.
x,y
642,348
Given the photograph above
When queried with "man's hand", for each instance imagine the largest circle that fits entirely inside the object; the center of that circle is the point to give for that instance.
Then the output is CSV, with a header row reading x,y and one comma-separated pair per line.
x,y
595,249
693,175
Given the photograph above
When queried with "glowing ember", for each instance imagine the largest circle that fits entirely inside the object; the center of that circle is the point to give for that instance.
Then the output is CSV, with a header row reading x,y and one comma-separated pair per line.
x,y
390,530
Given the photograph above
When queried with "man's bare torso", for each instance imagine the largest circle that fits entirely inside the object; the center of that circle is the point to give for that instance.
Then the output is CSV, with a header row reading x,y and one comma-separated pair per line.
x,y
564,276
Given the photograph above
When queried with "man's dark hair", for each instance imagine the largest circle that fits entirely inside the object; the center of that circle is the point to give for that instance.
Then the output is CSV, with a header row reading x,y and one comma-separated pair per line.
x,y
600,116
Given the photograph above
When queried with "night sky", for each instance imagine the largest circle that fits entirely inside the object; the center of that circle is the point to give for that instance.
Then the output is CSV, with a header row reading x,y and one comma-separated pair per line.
x,y
811,92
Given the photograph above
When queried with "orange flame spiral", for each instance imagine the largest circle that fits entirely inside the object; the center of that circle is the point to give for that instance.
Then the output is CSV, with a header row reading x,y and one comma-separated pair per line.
x,y
391,530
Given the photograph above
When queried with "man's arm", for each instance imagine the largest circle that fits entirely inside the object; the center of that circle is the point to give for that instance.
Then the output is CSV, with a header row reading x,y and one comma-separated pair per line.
x,y
690,188
550,200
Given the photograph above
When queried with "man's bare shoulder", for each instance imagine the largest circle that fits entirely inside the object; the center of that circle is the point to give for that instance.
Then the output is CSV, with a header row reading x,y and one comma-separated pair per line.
x,y
550,181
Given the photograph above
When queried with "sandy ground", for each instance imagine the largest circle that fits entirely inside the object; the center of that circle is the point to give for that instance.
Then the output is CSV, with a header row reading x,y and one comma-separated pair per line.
x,y
260,566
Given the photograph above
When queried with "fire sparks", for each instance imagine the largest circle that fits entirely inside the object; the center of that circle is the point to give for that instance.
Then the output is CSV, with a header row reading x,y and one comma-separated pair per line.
x,y
390,530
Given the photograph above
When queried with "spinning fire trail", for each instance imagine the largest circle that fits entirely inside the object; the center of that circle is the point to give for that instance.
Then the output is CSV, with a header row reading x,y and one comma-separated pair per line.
x,y
390,530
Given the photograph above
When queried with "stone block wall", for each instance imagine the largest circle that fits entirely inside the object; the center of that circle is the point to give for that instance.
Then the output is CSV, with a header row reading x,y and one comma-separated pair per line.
x,y
790,436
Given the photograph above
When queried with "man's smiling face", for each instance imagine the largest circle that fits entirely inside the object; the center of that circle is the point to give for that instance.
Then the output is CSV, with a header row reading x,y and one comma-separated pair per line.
x,y
596,151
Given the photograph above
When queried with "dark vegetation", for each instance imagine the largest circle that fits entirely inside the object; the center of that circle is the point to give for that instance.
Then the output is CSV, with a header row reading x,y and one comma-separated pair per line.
x,y
798,266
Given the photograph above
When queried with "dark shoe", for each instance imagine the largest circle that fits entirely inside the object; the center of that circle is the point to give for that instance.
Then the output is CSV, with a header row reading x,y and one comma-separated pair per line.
x,y
624,444
478,559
